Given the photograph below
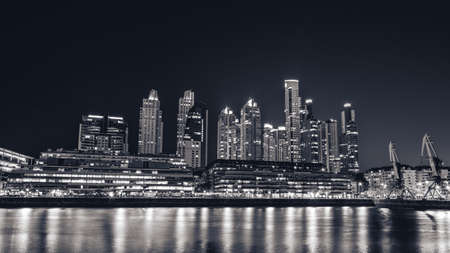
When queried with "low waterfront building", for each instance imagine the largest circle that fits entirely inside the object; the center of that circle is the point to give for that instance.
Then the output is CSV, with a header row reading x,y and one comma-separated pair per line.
x,y
269,178
10,160
81,173
416,179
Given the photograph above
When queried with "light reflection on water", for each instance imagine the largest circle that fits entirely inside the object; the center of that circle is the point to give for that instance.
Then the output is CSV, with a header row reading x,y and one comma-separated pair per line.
x,y
309,229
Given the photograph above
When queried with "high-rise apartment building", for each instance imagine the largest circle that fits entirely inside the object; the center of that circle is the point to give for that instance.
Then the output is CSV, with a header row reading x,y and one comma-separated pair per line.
x,y
101,133
269,144
251,131
150,139
185,103
292,105
228,135
349,139
275,144
329,142
195,140
310,136
281,144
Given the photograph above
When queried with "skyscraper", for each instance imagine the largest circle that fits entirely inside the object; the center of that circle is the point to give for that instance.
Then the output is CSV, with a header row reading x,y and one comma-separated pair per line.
x,y
195,140
251,131
228,135
269,144
292,105
185,103
281,144
329,141
310,135
349,139
103,133
150,125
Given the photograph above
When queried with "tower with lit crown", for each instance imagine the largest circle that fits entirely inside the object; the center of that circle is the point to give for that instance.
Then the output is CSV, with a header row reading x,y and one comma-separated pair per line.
x,y
150,125
251,131
228,135
292,106
185,103
349,136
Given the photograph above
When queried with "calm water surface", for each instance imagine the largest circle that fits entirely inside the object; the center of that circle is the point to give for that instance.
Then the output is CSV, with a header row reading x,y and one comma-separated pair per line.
x,y
309,229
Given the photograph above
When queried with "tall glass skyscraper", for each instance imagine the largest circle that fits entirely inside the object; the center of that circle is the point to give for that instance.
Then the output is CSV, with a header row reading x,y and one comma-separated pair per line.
x,y
329,141
349,139
195,140
185,103
150,125
292,105
101,133
282,144
251,131
228,135
310,135
269,145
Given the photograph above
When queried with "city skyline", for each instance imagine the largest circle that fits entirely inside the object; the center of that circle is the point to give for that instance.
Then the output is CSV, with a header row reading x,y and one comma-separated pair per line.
x,y
246,138
391,68
184,108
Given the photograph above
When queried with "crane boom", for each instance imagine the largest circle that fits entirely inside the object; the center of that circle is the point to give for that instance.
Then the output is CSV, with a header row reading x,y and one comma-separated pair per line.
x,y
393,157
398,189
427,146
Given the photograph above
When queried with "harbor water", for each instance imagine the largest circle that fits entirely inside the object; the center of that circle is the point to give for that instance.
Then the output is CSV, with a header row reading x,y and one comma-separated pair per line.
x,y
290,229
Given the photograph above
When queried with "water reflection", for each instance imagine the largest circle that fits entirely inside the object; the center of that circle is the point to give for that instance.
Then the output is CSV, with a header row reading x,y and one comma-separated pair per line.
x,y
310,229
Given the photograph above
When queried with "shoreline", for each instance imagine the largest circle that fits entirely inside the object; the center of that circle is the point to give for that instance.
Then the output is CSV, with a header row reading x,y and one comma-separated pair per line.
x,y
14,202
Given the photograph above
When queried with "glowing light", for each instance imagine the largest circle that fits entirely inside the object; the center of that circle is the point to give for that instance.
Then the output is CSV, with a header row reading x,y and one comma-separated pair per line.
x,y
95,116
113,117
227,110
252,103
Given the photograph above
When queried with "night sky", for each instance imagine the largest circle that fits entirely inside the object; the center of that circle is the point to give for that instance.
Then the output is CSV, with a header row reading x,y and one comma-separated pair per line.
x,y
62,60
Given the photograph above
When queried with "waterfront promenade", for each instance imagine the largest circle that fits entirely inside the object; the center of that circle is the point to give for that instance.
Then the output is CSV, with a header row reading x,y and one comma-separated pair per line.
x,y
175,202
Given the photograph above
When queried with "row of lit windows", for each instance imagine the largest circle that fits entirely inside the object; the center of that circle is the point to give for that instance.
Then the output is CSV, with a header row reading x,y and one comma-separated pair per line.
x,y
88,181
96,176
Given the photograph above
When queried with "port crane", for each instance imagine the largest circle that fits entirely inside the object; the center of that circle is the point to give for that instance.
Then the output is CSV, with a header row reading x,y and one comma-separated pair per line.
x,y
399,189
435,189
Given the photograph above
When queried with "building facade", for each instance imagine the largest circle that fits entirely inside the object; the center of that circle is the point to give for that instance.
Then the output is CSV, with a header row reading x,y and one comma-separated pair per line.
x,y
101,133
349,136
311,136
79,173
292,107
283,179
228,135
269,144
329,141
251,131
11,159
415,178
150,125
185,103
281,144
195,141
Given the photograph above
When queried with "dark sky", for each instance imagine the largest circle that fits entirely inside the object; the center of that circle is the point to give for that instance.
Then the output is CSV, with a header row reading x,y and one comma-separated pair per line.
x,y
65,59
